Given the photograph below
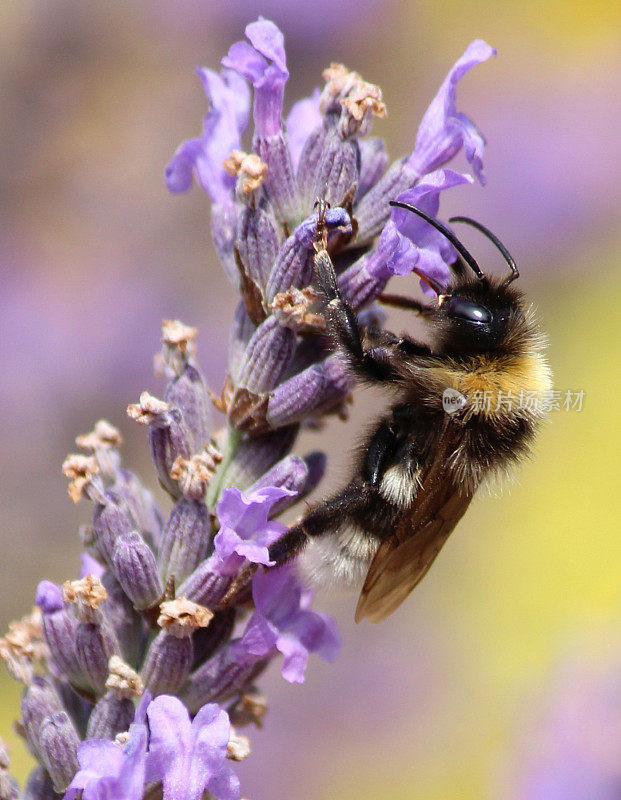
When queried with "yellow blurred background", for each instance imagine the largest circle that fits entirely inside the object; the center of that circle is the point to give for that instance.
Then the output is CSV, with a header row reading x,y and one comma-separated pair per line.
x,y
453,696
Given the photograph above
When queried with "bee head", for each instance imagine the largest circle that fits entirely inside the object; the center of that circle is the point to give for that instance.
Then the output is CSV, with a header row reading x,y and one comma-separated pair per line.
x,y
476,316
476,313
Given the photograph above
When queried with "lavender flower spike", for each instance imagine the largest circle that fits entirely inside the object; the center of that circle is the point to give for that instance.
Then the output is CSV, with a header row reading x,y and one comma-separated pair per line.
x,y
163,608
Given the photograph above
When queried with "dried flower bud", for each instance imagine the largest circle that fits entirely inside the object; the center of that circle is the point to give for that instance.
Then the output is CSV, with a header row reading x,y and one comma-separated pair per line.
x,y
193,475
86,594
169,436
39,700
81,469
188,393
249,169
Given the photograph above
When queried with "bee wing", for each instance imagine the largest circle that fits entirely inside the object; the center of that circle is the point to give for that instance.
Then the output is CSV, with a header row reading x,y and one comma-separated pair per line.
x,y
399,565
402,561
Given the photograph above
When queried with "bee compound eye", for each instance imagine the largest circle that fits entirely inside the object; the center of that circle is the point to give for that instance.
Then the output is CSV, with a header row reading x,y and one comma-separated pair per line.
x,y
460,308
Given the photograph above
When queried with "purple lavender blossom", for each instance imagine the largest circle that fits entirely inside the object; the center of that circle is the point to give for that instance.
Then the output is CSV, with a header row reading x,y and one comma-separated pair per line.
x,y
245,530
152,612
188,756
283,620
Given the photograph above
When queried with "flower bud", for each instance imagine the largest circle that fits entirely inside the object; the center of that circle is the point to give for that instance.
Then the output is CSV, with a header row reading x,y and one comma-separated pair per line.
x,y
39,700
58,741
95,644
136,570
39,786
257,243
110,716
185,539
188,393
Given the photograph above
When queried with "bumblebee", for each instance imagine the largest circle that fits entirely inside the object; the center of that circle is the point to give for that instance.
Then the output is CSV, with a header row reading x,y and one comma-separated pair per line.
x,y
456,418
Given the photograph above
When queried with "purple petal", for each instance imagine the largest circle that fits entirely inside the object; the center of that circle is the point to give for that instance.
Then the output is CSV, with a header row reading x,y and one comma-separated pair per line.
x,y
169,745
268,40
318,633
443,131
90,566
49,597
224,784
295,658
423,246
259,636
277,594
264,65
211,731
178,173
223,124
303,118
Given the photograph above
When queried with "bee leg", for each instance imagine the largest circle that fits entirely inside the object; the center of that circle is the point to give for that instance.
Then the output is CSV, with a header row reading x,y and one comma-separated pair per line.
x,y
379,452
326,517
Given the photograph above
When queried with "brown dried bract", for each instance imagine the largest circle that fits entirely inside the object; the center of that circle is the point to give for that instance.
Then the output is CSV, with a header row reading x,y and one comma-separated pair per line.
x,y
248,411
81,469
123,680
181,617
251,292
194,474
248,168
86,594
360,100
223,401
292,310
147,409
252,707
23,648
104,436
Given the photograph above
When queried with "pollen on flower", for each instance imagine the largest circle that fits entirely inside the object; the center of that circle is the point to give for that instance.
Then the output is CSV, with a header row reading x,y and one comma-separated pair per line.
x,y
123,680
147,408
182,617
248,168
86,594
81,469
292,309
104,436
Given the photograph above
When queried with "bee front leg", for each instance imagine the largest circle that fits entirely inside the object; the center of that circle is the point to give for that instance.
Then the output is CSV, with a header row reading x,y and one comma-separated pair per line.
x,y
325,518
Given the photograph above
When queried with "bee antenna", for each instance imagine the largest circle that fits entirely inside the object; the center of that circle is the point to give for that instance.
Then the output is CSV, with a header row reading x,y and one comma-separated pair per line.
x,y
445,232
495,240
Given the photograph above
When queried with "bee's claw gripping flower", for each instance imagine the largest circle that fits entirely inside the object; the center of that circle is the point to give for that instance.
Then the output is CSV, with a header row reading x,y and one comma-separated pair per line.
x,y
164,606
